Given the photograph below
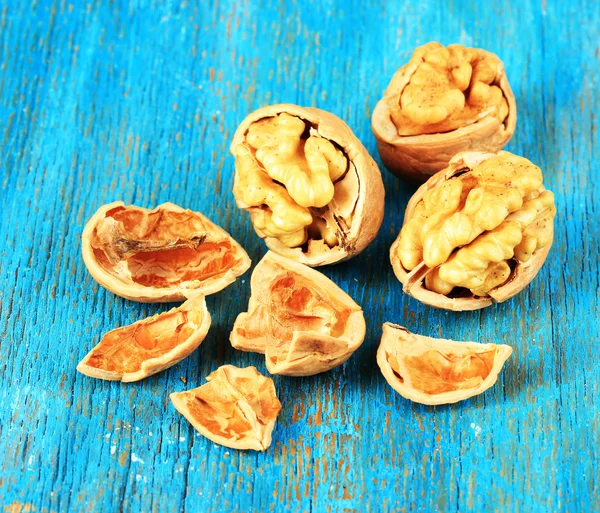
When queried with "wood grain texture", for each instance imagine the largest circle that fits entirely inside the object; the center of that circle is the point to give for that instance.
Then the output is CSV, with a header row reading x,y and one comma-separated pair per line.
x,y
137,101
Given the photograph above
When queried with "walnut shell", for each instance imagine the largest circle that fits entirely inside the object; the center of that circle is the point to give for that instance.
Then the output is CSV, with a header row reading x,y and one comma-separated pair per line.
x,y
134,352
417,157
351,219
298,318
236,408
437,371
521,273
160,255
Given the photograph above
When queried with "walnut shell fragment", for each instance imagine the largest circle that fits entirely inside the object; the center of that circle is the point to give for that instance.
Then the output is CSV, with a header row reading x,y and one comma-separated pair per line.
x,y
475,233
237,408
445,100
164,254
313,192
134,352
298,318
437,371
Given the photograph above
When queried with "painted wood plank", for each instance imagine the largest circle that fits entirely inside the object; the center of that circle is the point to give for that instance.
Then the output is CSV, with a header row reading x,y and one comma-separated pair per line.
x,y
137,100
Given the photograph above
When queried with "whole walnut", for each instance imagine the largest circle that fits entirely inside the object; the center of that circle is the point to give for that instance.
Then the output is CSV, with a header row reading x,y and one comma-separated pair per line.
x,y
475,233
313,192
445,100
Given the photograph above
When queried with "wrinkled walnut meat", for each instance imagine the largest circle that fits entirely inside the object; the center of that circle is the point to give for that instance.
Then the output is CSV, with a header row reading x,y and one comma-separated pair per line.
x,y
443,101
449,88
149,346
237,408
165,254
300,320
476,232
312,190
437,371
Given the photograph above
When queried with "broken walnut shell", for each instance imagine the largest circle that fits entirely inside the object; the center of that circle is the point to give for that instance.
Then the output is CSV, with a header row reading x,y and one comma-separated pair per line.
x,y
134,352
237,408
445,100
164,254
313,192
475,233
437,371
298,318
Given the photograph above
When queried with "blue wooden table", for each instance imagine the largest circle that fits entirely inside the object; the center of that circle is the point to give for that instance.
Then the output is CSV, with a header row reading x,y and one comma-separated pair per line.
x,y
137,101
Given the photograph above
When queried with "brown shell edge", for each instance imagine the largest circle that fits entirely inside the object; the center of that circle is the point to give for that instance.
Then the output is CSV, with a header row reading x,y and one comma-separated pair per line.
x,y
522,275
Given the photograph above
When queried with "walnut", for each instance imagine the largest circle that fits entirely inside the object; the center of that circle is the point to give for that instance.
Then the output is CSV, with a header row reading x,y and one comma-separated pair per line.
x,y
437,371
237,408
149,346
445,100
313,192
165,254
476,232
299,319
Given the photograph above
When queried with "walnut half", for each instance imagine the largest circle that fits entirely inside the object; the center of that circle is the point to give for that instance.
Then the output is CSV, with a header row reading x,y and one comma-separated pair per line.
x,y
445,100
437,371
475,233
313,192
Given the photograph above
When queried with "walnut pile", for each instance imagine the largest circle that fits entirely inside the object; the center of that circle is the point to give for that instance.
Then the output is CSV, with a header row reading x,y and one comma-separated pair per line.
x,y
475,233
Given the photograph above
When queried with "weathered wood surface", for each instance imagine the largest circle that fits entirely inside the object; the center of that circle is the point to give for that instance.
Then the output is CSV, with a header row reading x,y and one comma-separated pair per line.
x,y
137,101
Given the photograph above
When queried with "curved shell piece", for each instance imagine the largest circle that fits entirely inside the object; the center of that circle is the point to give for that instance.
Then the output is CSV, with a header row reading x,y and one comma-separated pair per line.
x,y
298,318
337,231
413,280
159,255
417,157
437,371
237,408
134,352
